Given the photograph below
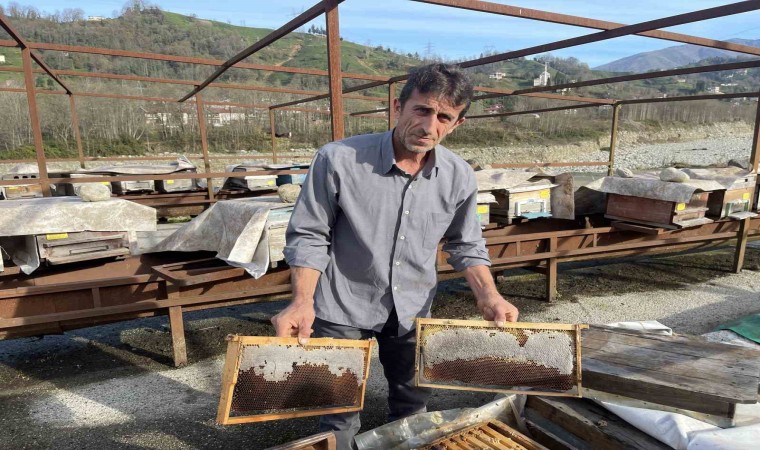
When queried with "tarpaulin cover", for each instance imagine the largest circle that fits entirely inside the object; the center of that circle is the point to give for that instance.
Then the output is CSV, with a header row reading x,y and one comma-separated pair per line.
x,y
235,229
492,179
653,188
748,327
70,214
180,165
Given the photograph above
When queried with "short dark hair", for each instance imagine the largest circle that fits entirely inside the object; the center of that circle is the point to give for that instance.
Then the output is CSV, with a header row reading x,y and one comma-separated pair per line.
x,y
447,80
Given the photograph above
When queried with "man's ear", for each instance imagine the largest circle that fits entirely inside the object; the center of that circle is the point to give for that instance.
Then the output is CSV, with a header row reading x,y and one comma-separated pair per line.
x,y
456,124
397,106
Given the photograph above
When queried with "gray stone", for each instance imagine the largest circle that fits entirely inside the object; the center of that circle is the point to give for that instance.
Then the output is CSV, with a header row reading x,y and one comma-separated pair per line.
x,y
289,192
674,175
93,192
624,173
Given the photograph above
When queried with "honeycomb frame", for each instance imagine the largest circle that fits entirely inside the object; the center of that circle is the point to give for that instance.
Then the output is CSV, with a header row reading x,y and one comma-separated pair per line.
x,y
232,409
466,363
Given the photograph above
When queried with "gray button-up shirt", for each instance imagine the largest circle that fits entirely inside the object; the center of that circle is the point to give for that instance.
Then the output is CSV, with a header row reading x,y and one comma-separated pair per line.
x,y
373,230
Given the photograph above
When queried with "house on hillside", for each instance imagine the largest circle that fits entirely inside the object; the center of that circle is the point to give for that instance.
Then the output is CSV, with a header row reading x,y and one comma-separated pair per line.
x,y
493,109
497,75
714,90
96,18
2,59
543,78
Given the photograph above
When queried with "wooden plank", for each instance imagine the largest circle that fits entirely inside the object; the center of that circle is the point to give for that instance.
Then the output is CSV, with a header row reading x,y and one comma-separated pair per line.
x,y
643,229
177,326
629,382
550,435
229,378
686,345
321,441
702,370
593,424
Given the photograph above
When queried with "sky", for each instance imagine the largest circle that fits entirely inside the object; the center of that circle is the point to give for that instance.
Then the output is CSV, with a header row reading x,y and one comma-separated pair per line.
x,y
450,33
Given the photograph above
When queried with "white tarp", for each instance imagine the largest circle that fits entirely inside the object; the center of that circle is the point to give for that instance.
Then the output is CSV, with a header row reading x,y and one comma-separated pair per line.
x,y
654,189
235,229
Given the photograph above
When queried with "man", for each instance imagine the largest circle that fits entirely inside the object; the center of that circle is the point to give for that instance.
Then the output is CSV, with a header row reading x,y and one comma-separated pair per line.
x,y
363,237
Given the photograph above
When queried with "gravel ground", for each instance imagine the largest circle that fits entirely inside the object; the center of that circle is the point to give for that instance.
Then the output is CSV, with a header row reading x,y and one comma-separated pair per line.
x,y
111,386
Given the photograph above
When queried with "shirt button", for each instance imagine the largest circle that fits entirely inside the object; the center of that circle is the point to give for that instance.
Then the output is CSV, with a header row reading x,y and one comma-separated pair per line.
x,y
395,288
401,237
406,212
398,263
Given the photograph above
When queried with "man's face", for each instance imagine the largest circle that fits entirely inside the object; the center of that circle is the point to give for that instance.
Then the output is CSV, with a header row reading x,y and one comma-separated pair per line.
x,y
424,121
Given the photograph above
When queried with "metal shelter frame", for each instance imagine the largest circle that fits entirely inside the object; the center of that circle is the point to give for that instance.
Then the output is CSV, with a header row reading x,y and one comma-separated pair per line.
x,y
541,247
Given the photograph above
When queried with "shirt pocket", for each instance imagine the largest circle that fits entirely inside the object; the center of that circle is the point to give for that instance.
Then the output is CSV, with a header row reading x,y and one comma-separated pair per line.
x,y
436,226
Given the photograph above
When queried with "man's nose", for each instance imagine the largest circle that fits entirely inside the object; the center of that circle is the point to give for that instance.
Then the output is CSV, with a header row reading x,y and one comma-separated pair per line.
x,y
428,123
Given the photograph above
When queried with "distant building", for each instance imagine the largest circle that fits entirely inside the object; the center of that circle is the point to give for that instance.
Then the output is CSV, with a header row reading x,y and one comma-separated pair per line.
x,y
543,79
729,84
96,18
497,75
680,80
493,109
714,90
2,59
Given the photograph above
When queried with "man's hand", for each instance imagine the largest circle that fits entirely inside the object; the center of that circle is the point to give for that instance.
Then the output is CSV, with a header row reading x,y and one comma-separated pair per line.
x,y
495,308
295,321
489,301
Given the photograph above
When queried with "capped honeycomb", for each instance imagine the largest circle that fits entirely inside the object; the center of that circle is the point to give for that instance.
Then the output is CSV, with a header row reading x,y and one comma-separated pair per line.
x,y
283,377
268,378
486,357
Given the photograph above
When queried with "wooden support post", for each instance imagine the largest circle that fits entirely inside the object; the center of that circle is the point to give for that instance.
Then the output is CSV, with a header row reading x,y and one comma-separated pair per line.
x,y
391,110
613,138
77,131
274,141
204,143
334,69
741,245
34,118
177,325
551,272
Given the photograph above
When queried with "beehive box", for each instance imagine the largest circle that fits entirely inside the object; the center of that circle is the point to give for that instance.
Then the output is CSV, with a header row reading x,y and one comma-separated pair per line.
x,y
483,211
269,378
21,190
130,187
528,200
291,178
261,182
490,434
660,213
62,248
738,193
479,356
179,185
70,189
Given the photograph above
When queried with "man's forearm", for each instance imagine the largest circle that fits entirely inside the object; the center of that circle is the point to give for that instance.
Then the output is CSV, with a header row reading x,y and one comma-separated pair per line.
x,y
481,281
303,282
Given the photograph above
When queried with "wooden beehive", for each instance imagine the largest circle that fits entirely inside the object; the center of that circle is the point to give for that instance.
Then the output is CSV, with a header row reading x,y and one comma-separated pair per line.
x,y
479,356
490,434
528,201
269,378
62,248
659,213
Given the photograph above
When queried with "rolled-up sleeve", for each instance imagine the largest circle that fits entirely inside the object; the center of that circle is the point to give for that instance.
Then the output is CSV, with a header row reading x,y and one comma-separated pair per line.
x,y
307,239
464,240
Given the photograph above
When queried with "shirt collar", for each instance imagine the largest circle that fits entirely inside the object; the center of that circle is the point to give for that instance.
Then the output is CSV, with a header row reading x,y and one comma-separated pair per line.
x,y
388,160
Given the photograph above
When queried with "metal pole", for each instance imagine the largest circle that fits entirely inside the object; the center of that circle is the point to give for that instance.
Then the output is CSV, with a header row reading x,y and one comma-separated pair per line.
x,y
274,141
204,144
613,138
756,141
391,109
34,118
334,69
75,127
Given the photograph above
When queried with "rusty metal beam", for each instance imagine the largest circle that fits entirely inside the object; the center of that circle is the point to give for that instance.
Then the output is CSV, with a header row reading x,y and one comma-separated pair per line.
x,y
756,140
688,98
34,119
639,76
306,16
360,87
76,129
332,22
565,19
533,111
369,111
506,92
6,25
613,138
184,59
273,136
550,164
734,8
201,116
391,107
